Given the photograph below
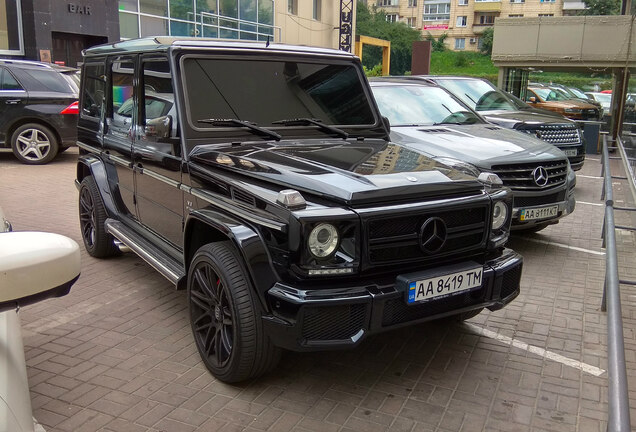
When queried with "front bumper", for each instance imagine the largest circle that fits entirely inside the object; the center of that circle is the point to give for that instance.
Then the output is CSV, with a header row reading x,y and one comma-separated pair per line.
x,y
312,320
565,207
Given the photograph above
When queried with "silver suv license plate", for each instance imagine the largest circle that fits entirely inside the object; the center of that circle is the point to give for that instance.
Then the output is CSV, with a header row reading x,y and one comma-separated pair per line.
x,y
539,213
442,286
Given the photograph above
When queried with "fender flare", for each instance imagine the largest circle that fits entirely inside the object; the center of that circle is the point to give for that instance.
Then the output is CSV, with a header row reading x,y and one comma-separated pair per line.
x,y
93,166
256,261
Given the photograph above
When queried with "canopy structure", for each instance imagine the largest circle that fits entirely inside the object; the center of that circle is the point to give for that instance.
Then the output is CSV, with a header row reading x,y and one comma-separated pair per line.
x,y
569,44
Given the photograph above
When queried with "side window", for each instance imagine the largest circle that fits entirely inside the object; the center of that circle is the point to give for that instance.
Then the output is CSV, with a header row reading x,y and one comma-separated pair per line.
x,y
122,103
8,82
159,114
93,90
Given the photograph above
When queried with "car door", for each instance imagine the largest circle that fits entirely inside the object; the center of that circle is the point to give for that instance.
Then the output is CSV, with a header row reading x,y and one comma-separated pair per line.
x,y
157,153
118,129
13,100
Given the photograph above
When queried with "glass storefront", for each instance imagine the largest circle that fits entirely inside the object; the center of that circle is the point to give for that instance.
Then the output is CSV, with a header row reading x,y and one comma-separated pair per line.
x,y
11,28
228,19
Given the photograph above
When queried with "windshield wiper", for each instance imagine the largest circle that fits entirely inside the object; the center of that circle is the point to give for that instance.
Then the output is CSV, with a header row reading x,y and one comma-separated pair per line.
x,y
308,121
236,122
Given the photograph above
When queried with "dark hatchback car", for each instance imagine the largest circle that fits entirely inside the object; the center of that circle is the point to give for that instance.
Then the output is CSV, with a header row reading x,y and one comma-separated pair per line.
x,y
505,110
38,109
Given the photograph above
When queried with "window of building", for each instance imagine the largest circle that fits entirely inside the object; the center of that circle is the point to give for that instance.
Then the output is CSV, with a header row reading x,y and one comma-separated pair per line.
x,y
412,3
517,1
486,19
462,2
317,9
460,43
411,22
515,16
436,12
11,28
487,1
547,1
388,2
546,15
154,7
292,7
392,17
480,43
461,21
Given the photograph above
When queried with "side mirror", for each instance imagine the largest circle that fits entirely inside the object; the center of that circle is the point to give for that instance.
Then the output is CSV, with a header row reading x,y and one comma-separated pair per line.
x,y
532,99
386,123
35,266
159,127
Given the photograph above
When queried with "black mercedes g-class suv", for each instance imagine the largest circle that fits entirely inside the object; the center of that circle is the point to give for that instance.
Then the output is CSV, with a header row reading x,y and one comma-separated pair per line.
x,y
260,178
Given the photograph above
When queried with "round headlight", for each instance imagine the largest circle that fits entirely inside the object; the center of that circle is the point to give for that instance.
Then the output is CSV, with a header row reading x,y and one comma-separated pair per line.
x,y
323,240
499,215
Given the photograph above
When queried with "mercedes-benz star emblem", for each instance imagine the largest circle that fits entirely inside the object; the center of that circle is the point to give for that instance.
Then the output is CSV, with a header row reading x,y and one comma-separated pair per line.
x,y
432,235
540,176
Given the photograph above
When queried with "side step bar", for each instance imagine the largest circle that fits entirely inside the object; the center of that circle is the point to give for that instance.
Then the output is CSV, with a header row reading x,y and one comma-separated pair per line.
x,y
170,268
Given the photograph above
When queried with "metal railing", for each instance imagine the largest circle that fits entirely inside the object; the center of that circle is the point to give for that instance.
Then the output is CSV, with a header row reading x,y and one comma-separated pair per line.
x,y
618,419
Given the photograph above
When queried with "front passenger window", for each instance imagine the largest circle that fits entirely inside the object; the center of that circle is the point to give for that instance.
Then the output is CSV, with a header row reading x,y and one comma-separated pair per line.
x,y
159,117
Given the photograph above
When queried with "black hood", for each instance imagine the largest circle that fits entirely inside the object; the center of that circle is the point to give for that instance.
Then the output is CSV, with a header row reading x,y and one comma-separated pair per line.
x,y
350,172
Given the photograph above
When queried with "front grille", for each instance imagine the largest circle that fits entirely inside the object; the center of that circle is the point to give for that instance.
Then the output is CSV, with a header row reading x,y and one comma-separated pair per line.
x,y
511,281
397,311
559,134
333,322
521,201
519,176
398,238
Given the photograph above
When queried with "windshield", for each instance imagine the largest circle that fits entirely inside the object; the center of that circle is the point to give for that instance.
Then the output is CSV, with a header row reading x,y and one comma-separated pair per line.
x,y
605,98
409,105
578,93
480,95
266,92
548,94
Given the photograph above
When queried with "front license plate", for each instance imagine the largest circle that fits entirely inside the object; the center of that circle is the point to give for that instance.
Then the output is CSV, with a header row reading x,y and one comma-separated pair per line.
x,y
442,286
570,152
539,213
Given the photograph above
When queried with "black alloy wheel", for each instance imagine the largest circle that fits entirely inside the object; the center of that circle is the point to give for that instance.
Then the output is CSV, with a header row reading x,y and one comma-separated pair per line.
x,y
225,315
92,215
212,317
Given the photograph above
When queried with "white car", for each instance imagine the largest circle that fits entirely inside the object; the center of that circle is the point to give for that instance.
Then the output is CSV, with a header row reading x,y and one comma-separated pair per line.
x,y
33,266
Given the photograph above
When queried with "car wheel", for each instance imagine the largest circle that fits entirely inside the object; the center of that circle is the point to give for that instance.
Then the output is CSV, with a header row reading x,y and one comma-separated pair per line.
x,y
97,241
34,144
226,317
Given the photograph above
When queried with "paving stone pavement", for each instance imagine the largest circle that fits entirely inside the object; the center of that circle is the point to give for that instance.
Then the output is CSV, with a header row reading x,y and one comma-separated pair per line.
x,y
117,354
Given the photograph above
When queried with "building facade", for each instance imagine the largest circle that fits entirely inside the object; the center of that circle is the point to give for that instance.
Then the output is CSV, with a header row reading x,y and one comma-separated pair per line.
x,y
464,21
58,30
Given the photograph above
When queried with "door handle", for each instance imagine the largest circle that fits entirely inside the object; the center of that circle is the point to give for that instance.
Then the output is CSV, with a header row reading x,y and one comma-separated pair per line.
x,y
12,101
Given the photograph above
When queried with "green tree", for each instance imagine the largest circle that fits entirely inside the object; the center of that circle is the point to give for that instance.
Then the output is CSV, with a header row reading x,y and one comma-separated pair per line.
x,y
602,7
372,22
437,45
486,41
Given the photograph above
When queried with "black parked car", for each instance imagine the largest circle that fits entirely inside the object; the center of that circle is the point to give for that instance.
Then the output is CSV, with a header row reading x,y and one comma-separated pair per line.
x,y
510,112
270,191
38,109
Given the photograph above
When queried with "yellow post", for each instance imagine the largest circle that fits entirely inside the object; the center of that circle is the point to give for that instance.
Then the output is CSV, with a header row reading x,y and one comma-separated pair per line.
x,y
386,50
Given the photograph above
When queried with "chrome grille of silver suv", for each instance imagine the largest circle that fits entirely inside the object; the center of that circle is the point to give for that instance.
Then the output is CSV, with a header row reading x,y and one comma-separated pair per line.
x,y
521,176
559,134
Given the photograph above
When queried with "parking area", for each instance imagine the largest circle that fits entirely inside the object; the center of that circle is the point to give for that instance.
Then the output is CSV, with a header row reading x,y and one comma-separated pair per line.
x,y
117,353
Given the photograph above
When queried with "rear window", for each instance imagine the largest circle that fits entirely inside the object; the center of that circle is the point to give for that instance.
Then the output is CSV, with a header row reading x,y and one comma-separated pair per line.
x,y
46,80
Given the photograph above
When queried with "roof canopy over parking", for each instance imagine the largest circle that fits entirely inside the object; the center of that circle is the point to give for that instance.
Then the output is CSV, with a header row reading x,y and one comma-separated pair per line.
x,y
567,44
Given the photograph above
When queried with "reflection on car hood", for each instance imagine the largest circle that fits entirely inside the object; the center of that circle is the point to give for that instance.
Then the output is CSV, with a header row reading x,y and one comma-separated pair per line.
x,y
514,119
352,172
481,145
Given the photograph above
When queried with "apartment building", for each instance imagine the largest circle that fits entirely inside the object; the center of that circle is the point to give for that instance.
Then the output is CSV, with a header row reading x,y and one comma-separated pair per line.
x,y
464,21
